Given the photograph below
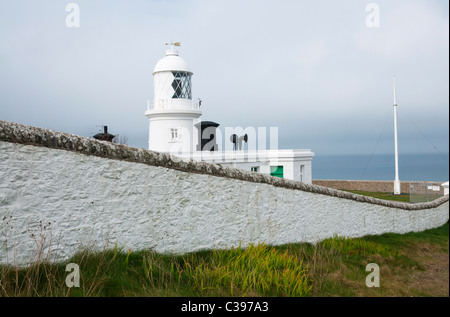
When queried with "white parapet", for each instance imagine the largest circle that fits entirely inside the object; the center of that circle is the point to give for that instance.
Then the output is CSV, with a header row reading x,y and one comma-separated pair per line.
x,y
296,163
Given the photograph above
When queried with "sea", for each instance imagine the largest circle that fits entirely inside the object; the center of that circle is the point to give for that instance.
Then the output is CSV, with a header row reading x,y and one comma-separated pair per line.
x,y
412,167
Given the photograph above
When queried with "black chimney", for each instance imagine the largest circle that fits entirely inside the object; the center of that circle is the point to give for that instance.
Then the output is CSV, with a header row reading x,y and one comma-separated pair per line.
x,y
105,136
207,136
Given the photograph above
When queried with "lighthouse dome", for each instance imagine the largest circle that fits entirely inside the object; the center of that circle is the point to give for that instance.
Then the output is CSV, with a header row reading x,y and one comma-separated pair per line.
x,y
172,62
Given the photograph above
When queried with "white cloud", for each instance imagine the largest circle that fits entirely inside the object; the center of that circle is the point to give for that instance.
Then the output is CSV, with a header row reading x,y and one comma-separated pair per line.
x,y
312,53
408,31
299,65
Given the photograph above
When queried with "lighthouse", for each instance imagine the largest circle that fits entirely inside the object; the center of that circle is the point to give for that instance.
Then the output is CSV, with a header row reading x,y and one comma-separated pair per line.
x,y
175,128
173,113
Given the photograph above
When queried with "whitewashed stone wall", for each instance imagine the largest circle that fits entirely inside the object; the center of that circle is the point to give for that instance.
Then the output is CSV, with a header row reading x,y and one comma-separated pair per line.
x,y
60,193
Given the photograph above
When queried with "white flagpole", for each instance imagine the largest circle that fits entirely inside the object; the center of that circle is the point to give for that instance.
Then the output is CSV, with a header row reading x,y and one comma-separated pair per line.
x,y
397,189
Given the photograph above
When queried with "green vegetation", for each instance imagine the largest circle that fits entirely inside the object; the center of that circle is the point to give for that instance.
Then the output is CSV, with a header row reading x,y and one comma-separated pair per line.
x,y
355,246
413,264
386,196
255,270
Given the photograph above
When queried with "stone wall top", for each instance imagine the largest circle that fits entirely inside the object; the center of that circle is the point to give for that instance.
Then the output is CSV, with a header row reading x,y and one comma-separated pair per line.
x,y
22,134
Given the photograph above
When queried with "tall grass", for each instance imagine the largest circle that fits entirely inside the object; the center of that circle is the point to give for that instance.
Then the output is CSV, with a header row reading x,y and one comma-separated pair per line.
x,y
335,266
255,270
44,279
357,246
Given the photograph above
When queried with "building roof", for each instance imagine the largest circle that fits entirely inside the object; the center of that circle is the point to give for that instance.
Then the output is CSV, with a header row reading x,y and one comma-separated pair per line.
x,y
172,62
206,124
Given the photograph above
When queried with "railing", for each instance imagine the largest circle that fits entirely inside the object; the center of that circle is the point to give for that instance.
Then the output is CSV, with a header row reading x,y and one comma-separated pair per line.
x,y
425,191
173,104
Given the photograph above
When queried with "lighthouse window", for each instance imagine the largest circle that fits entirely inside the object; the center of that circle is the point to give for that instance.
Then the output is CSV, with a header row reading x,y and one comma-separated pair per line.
x,y
174,134
182,85
302,172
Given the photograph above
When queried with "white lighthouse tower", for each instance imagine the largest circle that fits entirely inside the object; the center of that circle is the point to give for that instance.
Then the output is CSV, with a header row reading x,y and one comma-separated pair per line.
x,y
173,114
175,128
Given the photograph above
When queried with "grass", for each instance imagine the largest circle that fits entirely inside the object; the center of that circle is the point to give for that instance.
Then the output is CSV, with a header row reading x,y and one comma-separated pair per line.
x,y
385,196
254,270
413,264
416,198
356,246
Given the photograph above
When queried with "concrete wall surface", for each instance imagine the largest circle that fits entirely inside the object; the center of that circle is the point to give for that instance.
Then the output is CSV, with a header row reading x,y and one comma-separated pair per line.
x,y
60,193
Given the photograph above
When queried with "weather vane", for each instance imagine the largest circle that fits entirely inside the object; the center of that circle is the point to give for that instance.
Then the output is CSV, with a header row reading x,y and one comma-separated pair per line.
x,y
172,44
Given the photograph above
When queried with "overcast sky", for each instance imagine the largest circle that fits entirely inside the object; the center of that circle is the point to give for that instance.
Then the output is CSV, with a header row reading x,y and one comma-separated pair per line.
x,y
314,69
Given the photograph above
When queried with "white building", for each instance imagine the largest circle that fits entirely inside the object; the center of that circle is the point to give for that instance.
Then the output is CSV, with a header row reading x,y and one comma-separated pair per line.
x,y
175,127
445,187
